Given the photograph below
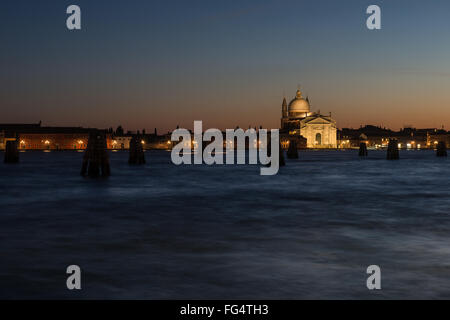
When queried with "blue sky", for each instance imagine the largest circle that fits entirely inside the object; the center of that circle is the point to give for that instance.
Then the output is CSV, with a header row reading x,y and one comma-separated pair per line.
x,y
146,64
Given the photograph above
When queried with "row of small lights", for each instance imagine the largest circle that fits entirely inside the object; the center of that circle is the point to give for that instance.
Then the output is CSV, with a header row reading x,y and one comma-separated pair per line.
x,y
230,142
47,142
142,141
82,142
409,145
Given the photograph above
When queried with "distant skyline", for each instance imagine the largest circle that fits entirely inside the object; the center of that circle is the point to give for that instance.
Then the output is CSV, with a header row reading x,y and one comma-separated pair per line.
x,y
146,64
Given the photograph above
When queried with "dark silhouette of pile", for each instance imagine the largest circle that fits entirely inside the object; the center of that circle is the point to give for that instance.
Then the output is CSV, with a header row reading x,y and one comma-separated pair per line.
x,y
441,150
363,149
281,152
281,161
292,152
137,155
392,152
11,152
96,160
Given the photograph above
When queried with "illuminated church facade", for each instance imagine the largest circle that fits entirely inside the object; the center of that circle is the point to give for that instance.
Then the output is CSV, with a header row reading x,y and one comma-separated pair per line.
x,y
297,119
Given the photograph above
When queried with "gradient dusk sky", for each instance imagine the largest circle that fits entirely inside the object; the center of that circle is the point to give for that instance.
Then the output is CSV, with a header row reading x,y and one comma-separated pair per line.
x,y
147,64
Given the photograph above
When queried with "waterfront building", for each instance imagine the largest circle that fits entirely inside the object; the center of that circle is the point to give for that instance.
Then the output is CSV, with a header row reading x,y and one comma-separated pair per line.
x,y
435,137
319,130
2,140
153,141
377,137
37,137
121,142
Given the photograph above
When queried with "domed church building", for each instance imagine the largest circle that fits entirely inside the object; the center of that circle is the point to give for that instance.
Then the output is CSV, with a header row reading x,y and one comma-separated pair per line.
x,y
297,119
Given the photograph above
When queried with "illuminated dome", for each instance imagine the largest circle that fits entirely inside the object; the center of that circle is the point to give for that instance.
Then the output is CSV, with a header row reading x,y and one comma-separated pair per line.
x,y
298,106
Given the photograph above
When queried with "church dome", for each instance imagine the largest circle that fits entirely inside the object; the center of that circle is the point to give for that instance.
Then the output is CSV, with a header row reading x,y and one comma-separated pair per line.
x,y
298,104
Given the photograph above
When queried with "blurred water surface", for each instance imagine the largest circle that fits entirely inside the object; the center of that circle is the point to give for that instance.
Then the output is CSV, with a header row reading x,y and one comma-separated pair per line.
x,y
225,232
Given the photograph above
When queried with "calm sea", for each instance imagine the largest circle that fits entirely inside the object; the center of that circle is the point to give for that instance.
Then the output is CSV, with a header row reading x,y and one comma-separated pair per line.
x,y
225,232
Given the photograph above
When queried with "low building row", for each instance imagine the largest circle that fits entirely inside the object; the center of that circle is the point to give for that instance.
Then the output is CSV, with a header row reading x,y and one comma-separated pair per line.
x,y
38,137
378,137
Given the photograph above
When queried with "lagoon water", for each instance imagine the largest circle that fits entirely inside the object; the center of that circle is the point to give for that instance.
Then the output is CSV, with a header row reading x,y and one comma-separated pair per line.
x,y
225,232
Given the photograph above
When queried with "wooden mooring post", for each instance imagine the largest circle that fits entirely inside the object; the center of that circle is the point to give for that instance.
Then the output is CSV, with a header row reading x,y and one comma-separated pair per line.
x,y
137,155
281,161
363,149
292,152
441,150
11,151
392,151
96,159
281,156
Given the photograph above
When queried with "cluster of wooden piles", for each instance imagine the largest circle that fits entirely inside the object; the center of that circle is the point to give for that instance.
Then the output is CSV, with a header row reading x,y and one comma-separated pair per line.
x,y
292,152
11,152
281,162
441,150
392,152
137,155
363,149
96,159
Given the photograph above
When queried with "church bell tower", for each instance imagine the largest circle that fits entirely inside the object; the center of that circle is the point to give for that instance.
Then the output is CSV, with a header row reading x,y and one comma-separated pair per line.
x,y
284,113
